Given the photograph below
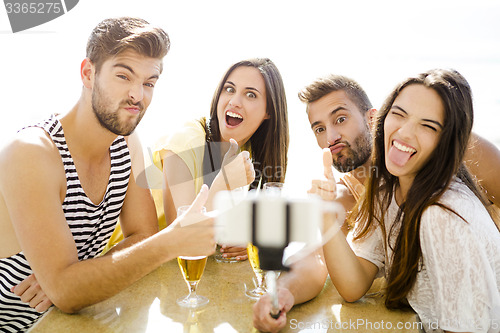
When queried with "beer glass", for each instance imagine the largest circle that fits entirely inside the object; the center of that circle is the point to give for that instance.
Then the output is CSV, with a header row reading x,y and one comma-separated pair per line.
x,y
192,269
253,257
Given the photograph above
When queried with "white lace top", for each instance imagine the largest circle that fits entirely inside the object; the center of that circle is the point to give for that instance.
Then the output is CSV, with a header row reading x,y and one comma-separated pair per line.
x,y
458,287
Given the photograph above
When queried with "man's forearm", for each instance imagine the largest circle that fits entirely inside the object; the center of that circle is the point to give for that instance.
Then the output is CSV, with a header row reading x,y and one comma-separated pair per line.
x,y
90,281
129,241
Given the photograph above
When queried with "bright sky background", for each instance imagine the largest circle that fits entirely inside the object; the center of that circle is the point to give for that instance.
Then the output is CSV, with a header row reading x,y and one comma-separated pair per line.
x,y
378,43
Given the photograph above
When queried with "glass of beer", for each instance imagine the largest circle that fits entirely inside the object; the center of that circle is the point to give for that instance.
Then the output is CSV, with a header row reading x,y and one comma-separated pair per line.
x,y
253,257
192,269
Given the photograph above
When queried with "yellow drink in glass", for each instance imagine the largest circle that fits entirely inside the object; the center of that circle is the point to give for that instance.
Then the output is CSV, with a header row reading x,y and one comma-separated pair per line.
x,y
192,268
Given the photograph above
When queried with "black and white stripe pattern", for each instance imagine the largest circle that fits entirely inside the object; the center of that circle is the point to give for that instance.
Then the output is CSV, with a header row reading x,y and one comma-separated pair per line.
x,y
90,224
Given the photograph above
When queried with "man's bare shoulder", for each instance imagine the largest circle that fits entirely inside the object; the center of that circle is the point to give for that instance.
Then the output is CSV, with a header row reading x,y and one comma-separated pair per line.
x,y
27,149
136,154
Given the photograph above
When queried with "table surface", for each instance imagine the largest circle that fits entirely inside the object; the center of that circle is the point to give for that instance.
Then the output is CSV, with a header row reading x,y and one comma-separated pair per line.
x,y
149,306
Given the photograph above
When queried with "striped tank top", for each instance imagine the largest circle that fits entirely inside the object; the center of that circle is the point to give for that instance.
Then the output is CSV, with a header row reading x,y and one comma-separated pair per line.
x,y
90,224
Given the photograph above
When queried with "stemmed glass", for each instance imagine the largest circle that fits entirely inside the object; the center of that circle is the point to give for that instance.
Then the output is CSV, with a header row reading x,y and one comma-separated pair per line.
x,y
192,269
253,257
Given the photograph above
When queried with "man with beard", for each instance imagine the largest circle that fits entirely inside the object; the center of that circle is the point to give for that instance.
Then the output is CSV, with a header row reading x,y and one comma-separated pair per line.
x,y
339,112
340,115
65,181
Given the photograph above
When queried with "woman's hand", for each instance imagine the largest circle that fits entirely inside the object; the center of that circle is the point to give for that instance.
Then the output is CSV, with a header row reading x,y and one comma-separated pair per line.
x,y
237,169
238,253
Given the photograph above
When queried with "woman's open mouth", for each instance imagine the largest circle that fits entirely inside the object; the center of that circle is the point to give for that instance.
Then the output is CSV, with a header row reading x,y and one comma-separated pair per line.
x,y
233,119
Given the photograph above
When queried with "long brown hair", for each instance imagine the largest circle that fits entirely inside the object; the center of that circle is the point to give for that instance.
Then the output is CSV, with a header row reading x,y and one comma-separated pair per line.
x,y
269,143
429,184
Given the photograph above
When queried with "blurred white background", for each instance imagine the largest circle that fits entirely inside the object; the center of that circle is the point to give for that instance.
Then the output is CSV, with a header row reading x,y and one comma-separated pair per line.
x,y
378,43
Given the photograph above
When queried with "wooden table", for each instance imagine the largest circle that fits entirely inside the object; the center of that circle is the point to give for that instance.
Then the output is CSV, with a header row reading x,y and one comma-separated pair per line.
x,y
149,306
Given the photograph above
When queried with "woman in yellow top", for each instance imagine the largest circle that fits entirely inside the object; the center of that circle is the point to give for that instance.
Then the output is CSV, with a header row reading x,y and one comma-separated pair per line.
x,y
249,106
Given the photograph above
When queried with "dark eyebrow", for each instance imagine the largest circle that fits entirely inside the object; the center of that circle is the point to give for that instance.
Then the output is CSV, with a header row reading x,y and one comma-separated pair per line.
x,y
427,120
248,88
399,108
155,76
252,88
125,66
337,109
314,124
340,108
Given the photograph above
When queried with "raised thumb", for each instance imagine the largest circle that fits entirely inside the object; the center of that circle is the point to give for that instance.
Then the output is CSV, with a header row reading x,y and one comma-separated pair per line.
x,y
200,200
327,164
233,149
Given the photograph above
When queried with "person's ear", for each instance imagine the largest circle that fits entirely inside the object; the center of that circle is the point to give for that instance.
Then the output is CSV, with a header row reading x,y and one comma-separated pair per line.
x,y
370,117
87,73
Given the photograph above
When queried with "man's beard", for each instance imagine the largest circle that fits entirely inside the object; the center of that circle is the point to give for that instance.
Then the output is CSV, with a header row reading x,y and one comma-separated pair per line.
x,y
356,155
109,120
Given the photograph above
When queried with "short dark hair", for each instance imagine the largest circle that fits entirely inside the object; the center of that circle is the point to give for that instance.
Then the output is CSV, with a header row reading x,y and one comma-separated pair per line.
x,y
330,83
115,35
